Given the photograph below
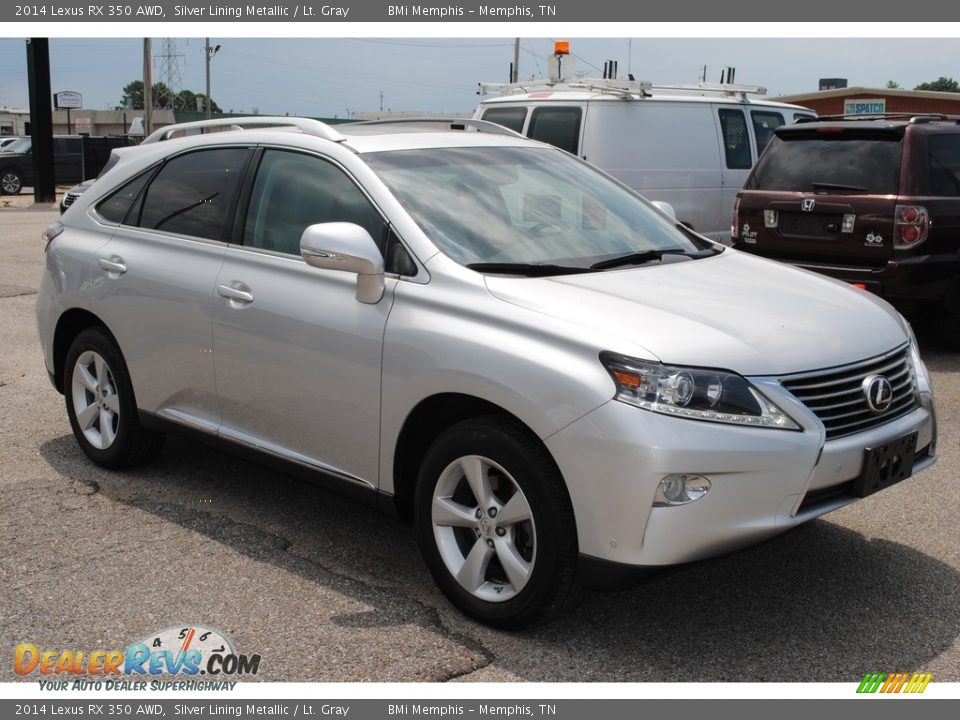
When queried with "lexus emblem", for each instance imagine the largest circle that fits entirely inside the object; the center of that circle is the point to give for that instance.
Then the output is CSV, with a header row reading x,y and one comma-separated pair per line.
x,y
808,205
879,393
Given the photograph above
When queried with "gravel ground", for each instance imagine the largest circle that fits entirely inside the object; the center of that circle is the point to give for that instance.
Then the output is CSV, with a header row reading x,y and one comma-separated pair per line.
x,y
327,590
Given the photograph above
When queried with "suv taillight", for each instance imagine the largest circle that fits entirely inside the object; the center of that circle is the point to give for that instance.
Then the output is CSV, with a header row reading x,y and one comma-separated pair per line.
x,y
911,224
735,219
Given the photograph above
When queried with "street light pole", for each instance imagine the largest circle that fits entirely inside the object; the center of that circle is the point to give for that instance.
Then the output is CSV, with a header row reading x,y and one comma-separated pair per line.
x,y
209,52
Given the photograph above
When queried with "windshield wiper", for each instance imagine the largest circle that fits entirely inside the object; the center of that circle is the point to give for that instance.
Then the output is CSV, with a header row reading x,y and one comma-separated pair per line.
x,y
837,186
645,256
531,269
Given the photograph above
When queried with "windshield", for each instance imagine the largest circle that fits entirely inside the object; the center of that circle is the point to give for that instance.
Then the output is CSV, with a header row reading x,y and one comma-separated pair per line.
x,y
20,145
526,206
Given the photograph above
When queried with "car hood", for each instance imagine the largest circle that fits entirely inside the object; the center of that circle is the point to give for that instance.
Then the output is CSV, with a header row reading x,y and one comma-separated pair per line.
x,y
732,311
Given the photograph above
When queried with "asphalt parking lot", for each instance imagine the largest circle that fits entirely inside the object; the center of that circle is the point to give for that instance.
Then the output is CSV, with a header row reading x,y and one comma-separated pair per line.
x,y
325,589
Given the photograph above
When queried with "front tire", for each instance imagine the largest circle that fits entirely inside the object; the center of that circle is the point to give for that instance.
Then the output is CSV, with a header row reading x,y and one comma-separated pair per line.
x,y
495,524
101,405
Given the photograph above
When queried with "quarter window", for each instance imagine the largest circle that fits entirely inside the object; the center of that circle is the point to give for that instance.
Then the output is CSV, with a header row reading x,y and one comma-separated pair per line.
x,y
558,126
293,191
116,207
192,194
736,142
944,153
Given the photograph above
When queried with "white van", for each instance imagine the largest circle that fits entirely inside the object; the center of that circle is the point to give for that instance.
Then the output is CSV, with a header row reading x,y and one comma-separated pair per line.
x,y
690,146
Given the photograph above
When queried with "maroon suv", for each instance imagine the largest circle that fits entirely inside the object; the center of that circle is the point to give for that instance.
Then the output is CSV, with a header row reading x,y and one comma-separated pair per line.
x,y
874,202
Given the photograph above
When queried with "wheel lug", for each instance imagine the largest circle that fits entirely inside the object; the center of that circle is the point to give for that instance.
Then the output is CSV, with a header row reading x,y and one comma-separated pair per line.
x,y
501,532
477,531
478,514
490,542
492,512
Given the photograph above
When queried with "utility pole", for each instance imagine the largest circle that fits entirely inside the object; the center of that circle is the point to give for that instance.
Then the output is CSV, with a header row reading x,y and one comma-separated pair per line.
x,y
147,87
209,52
41,119
516,60
381,101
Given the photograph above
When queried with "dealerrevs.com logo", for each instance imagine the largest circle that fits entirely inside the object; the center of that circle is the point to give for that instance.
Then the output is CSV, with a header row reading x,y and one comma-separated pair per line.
x,y
910,683
189,650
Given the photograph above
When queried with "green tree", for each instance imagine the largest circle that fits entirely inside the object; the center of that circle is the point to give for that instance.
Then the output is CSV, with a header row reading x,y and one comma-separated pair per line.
x,y
893,84
941,84
163,98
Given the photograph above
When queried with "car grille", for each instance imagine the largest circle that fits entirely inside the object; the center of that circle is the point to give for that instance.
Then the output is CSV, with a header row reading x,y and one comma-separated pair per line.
x,y
836,396
69,198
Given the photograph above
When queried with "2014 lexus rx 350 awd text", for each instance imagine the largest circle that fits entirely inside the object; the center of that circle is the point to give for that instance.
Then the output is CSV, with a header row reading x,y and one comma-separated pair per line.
x,y
555,381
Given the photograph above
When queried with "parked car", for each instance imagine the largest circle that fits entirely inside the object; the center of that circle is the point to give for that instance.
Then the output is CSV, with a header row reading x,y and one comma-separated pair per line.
x,y
7,141
75,159
71,195
874,202
477,332
691,146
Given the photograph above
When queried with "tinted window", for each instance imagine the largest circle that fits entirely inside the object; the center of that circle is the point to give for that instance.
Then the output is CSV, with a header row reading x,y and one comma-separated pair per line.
x,y
557,126
509,117
293,191
192,194
116,206
736,141
764,123
944,152
830,163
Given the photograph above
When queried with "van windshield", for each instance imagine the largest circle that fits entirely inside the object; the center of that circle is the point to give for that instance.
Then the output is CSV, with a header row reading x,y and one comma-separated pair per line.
x,y
526,206
831,163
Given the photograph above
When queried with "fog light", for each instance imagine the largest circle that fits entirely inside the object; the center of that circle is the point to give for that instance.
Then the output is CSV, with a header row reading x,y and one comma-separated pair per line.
x,y
680,489
770,218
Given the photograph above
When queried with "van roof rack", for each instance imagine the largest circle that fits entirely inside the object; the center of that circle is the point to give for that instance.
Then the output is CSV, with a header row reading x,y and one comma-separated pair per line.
x,y
307,126
624,88
912,118
429,123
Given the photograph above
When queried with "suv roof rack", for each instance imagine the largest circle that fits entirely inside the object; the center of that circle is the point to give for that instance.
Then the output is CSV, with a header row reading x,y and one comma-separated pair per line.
x,y
426,123
624,88
912,118
308,126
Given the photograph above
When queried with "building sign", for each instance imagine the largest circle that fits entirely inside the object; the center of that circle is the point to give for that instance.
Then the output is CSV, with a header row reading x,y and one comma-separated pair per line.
x,y
864,106
83,125
67,99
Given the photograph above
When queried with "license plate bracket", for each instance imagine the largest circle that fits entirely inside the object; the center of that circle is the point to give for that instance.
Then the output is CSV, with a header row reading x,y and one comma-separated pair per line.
x,y
886,465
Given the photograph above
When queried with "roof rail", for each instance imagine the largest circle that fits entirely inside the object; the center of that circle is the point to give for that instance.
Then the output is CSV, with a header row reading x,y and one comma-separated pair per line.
x,y
452,123
625,88
307,126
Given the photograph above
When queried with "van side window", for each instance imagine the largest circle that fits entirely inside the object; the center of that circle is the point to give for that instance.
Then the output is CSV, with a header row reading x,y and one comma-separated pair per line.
x,y
293,191
944,153
558,126
736,141
509,117
764,123
193,194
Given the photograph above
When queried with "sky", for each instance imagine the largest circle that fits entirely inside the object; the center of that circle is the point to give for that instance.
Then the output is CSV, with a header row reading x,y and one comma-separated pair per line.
x,y
334,77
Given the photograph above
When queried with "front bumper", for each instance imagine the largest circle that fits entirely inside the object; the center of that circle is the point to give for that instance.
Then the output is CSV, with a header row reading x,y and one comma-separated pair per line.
x,y
763,481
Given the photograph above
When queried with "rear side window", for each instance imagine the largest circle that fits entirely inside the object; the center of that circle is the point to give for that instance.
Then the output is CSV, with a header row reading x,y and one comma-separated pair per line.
x,y
764,123
944,153
116,207
293,191
830,163
736,141
509,117
192,194
558,126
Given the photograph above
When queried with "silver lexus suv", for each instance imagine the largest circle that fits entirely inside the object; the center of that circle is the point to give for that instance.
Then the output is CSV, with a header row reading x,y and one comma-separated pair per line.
x,y
557,383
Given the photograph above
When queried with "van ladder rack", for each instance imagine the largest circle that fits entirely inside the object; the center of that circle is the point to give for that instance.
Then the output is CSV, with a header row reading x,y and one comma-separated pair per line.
x,y
307,126
625,88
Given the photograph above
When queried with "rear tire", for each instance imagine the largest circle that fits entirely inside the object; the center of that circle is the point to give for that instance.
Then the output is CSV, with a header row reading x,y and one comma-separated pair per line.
x,y
11,182
101,404
495,524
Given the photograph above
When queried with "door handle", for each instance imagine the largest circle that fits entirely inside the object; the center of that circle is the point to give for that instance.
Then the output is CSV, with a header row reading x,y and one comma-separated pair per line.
x,y
235,294
114,265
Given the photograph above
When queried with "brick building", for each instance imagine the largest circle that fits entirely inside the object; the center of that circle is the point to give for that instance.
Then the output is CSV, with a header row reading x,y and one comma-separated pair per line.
x,y
860,100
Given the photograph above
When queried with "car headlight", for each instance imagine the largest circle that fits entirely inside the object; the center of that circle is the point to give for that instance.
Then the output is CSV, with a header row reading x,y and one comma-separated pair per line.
x,y
693,393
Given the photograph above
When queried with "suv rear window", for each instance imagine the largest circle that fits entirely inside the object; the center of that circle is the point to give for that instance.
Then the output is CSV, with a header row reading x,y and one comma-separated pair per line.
x,y
832,163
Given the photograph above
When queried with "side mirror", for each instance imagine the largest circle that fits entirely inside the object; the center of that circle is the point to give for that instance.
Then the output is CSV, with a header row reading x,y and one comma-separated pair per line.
x,y
348,248
666,208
